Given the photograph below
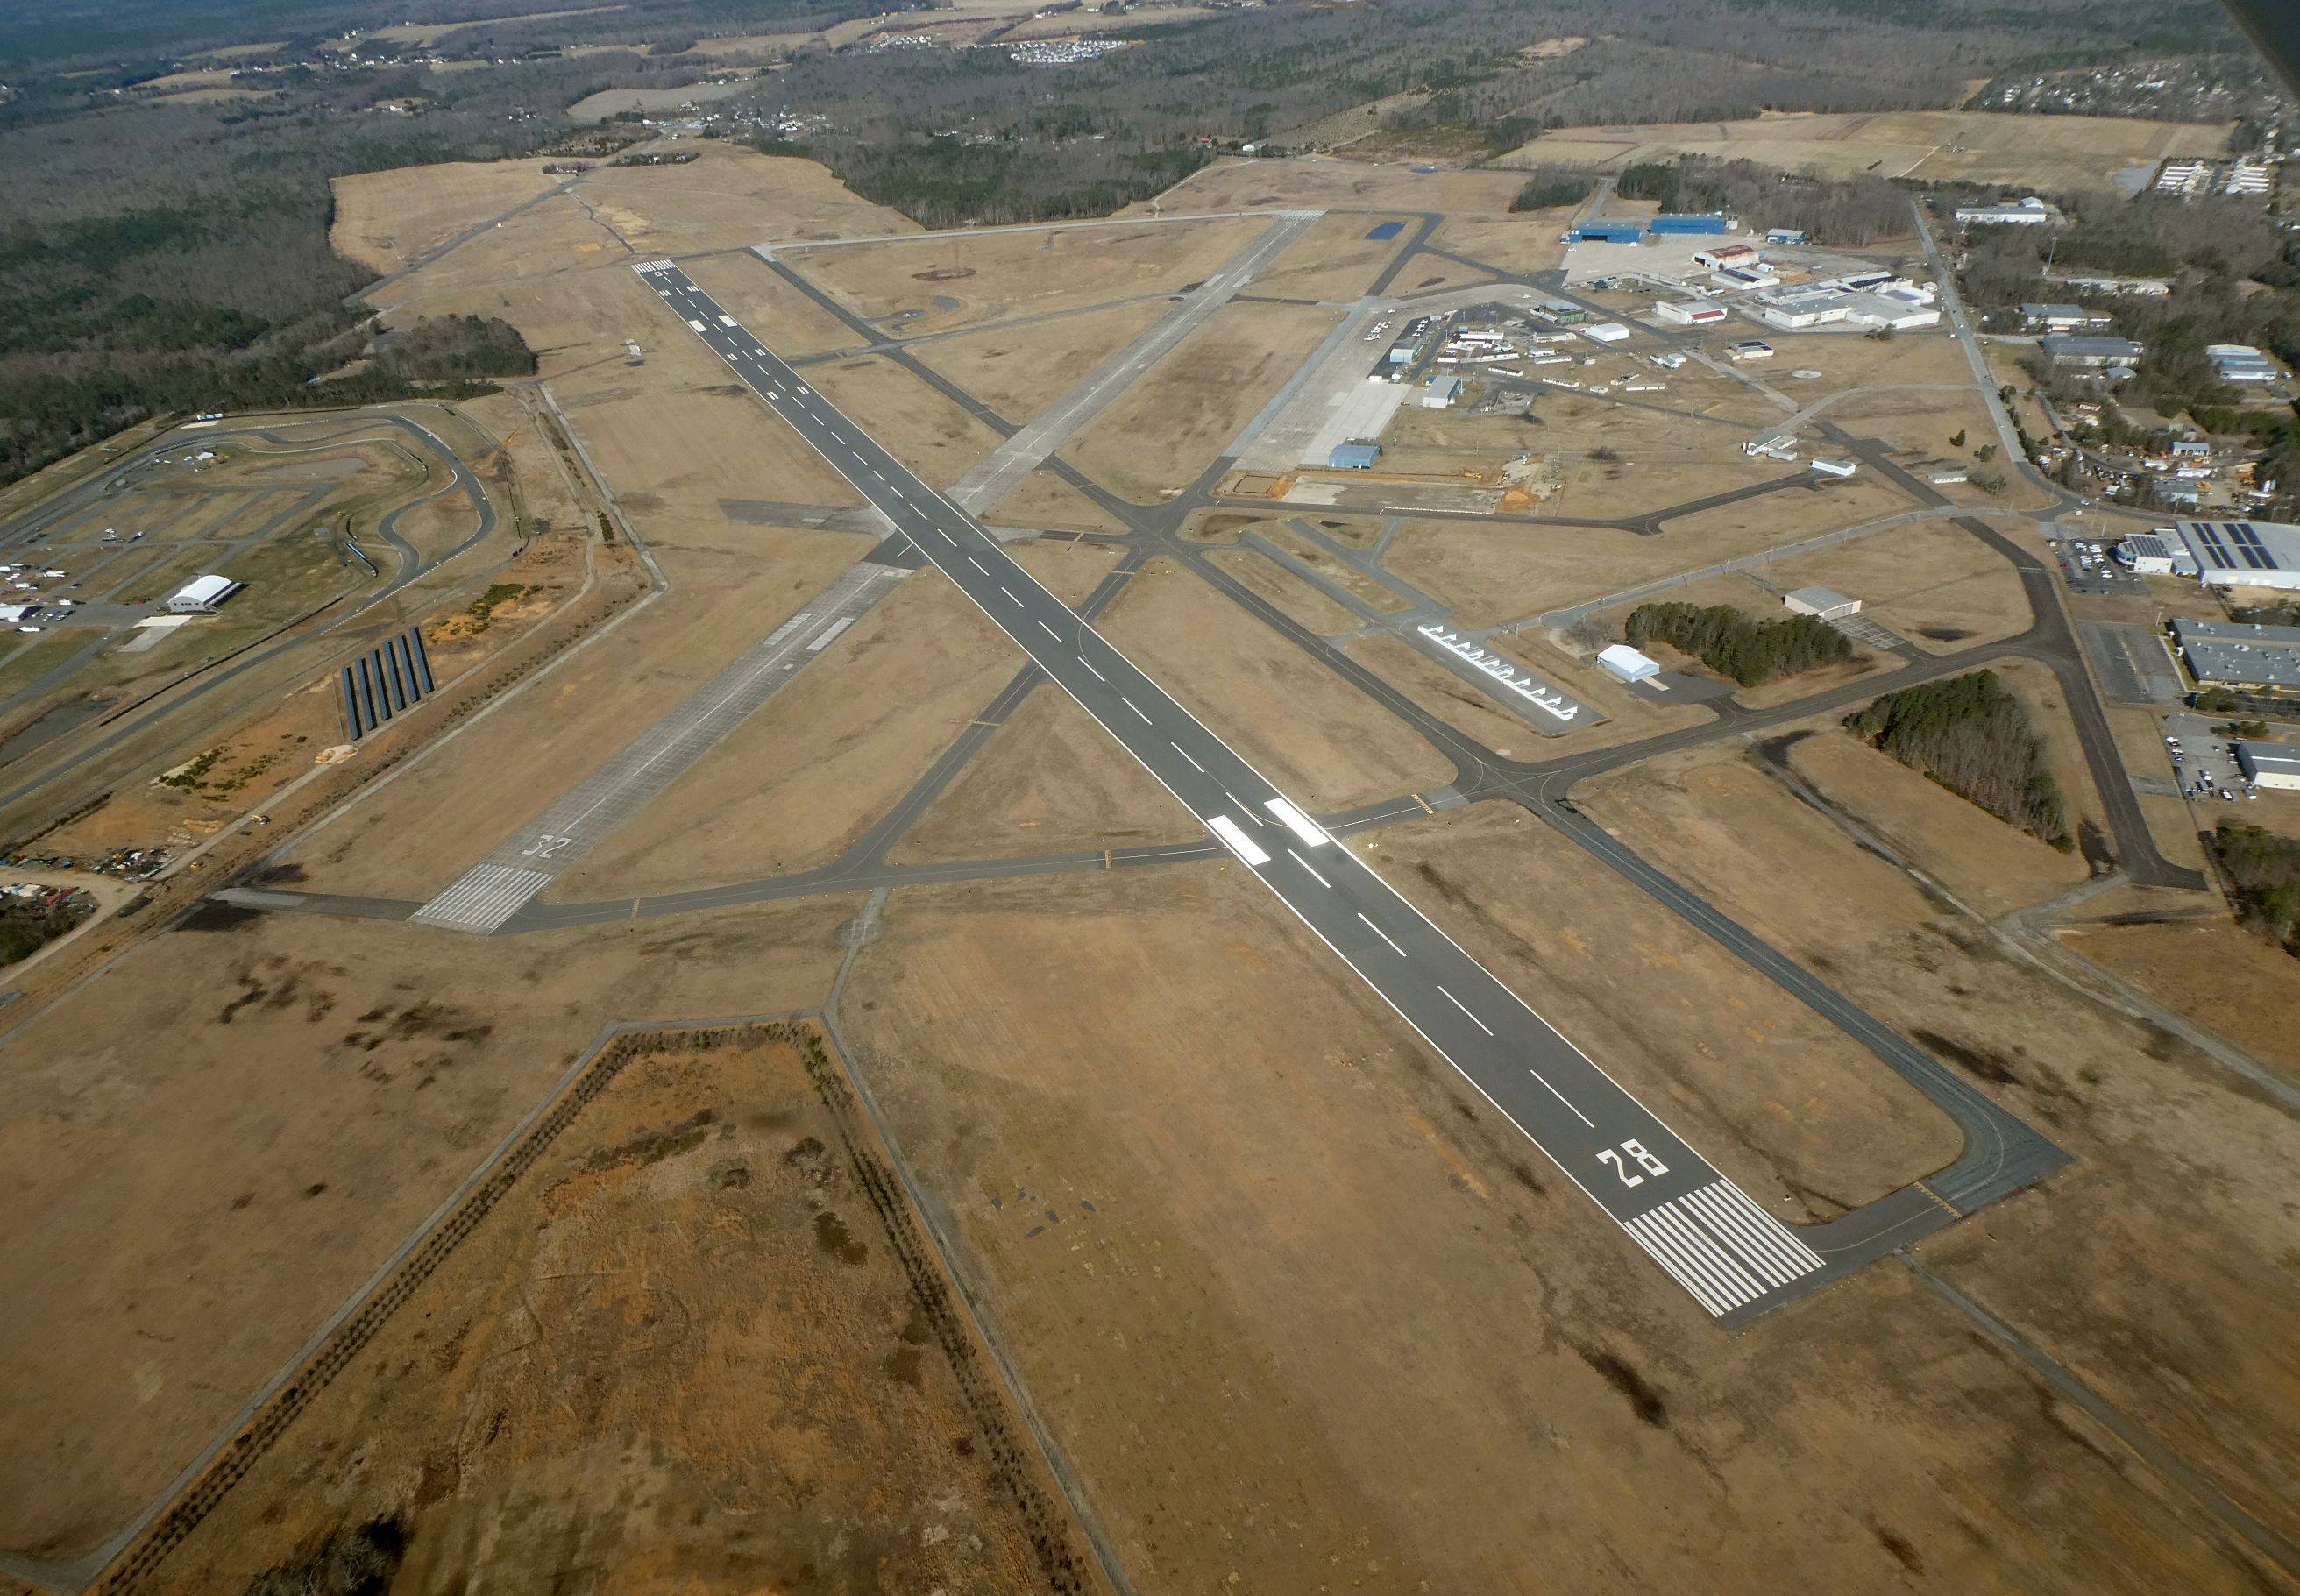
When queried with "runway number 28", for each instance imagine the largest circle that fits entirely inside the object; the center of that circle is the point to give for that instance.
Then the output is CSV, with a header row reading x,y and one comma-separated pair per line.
x,y
1632,1151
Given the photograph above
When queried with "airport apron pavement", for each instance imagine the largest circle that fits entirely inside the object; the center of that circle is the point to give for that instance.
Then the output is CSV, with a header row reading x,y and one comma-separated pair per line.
x,y
1731,1256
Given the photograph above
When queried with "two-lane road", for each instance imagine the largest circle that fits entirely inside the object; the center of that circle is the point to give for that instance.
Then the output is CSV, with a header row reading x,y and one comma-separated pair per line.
x,y
1734,1258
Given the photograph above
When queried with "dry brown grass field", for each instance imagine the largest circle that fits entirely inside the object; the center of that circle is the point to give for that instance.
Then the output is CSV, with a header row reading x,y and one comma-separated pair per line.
x,y
1935,584
1184,1292
1322,743
925,430
2041,152
1019,370
682,1348
385,219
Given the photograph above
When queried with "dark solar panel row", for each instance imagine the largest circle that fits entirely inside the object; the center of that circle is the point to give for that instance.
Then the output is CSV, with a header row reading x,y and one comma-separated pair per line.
x,y
389,679
2248,544
2215,550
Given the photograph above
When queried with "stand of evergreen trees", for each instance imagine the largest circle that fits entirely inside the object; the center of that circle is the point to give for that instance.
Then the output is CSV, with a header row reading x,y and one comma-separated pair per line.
x,y
2263,871
1733,645
1973,736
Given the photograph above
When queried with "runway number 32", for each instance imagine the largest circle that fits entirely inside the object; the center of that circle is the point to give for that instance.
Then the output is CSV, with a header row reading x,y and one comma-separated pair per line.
x,y
1637,1153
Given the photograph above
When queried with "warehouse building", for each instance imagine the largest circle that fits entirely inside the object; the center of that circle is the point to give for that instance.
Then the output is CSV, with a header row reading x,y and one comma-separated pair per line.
x,y
1688,313
1715,221
2031,212
2242,366
1605,232
2269,765
1722,256
202,594
1784,236
2226,653
1353,457
2084,352
2240,553
1606,332
1621,661
1822,603
1809,307
1440,392
2058,317
1834,468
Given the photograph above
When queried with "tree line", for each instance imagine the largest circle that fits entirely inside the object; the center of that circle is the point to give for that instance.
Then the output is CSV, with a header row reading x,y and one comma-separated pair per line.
x,y
1972,736
2263,872
1735,645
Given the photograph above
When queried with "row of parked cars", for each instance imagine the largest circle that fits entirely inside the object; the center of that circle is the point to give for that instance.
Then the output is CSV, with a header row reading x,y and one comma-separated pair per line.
x,y
2203,784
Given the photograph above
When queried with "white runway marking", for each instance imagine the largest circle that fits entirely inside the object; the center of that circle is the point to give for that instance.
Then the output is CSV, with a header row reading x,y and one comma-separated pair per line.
x,y
1089,665
1378,931
1237,840
1723,1247
1185,753
1464,1008
483,897
1050,631
978,565
1136,708
1009,592
1320,880
1560,1097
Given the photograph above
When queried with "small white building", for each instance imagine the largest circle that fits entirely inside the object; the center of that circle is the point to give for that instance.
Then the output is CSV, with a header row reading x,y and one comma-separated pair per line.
x,y
202,594
2031,212
1826,467
15,614
1606,332
2269,765
1627,663
1440,392
2148,555
1823,603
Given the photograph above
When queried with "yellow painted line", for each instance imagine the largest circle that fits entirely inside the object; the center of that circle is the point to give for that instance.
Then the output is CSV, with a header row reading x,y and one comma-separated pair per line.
x,y
1937,1197
1105,858
990,723
1424,802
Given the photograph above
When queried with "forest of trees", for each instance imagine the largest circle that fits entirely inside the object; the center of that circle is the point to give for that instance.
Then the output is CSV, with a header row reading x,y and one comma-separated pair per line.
x,y
1547,188
1733,644
2263,872
1974,737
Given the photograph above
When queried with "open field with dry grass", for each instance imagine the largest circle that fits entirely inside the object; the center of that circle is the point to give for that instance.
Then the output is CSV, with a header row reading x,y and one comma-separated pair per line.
x,y
1321,742
1019,370
984,277
1974,146
1289,592
1183,1292
2220,974
1335,259
387,218
1317,183
1523,241
797,783
1049,780
181,1218
703,1229
1047,502
762,299
414,835
925,430
1447,696
1172,422
1933,583
2192,1321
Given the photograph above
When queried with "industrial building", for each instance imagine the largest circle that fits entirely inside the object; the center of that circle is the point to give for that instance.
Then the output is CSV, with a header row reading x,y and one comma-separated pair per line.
x,y
202,594
2085,353
1750,349
2240,365
1353,457
2269,765
1823,603
2129,288
1688,313
1440,392
1834,468
2226,653
2031,212
1606,332
2058,317
1726,255
1605,232
1900,312
1621,661
1712,222
1808,307
2145,554
2240,553
1784,236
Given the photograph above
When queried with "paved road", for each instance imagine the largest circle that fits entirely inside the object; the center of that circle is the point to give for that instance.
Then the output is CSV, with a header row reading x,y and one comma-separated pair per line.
x,y
1729,1254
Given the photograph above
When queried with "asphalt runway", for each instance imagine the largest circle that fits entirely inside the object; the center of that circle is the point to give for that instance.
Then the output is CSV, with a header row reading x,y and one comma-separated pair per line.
x,y
504,883
1732,1256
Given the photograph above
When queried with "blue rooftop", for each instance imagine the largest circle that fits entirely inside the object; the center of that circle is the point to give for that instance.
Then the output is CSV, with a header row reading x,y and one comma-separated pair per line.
x,y
1387,229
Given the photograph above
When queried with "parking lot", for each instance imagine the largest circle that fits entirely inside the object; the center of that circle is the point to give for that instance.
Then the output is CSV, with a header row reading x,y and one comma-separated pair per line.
x,y
2203,760
2088,567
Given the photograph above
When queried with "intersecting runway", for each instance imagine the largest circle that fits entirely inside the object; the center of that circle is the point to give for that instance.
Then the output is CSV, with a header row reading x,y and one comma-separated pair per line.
x,y
489,893
1728,1254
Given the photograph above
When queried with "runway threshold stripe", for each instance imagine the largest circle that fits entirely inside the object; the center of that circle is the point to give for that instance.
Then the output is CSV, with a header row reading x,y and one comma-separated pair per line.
x,y
1697,1286
1720,1263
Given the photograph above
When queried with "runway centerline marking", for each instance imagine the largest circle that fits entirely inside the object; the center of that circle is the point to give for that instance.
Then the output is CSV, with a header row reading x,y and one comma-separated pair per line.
x,y
1089,665
1464,1008
1136,708
1321,881
1177,748
1377,930
1560,1097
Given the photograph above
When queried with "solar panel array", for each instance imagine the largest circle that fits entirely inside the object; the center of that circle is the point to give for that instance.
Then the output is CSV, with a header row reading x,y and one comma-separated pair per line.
x,y
389,679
